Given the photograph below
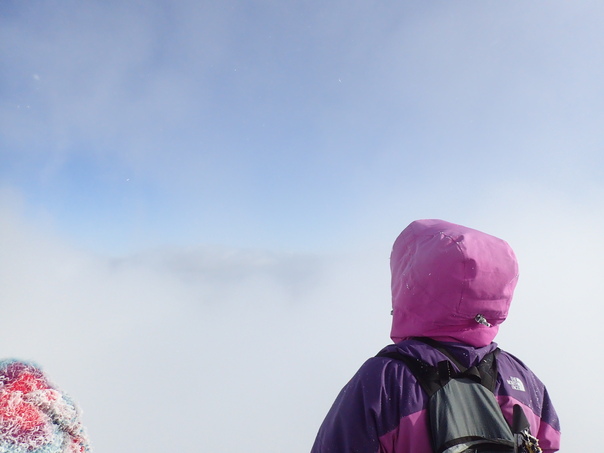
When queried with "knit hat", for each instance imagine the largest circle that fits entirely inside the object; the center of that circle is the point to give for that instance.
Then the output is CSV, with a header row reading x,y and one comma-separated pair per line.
x,y
36,417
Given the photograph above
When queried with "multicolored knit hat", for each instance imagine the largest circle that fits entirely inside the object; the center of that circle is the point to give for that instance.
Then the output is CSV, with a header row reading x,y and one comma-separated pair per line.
x,y
35,417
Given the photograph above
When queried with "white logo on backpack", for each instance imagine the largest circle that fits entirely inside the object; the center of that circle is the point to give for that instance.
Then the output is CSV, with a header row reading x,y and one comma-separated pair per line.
x,y
516,383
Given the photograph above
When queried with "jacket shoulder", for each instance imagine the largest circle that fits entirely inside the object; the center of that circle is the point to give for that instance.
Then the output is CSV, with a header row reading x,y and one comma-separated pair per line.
x,y
517,382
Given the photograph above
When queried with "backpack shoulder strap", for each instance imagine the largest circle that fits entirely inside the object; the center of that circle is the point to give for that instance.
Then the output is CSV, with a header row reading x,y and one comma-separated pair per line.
x,y
485,372
432,378
427,375
487,369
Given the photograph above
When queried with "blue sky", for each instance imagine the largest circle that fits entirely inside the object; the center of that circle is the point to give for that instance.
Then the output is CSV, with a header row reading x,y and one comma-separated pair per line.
x,y
184,170
134,123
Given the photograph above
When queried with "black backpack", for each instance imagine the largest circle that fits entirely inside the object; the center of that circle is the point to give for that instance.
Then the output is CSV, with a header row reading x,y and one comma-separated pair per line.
x,y
464,415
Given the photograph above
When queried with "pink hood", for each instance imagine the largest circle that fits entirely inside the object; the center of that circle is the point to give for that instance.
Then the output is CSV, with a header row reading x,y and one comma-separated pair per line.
x,y
445,277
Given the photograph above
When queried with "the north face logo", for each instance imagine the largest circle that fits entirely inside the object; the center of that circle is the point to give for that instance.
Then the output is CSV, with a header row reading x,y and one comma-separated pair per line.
x,y
516,383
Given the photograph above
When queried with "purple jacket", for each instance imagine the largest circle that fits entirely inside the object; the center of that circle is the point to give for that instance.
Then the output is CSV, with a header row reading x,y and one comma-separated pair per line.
x,y
453,284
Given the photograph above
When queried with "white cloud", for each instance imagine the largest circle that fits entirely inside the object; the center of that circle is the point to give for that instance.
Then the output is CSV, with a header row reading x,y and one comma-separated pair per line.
x,y
216,347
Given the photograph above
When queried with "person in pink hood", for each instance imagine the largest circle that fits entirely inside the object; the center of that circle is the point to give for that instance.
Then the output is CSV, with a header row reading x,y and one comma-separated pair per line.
x,y
453,285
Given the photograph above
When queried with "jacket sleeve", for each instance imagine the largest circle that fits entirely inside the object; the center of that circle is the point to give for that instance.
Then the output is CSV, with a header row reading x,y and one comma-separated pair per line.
x,y
350,424
549,428
363,411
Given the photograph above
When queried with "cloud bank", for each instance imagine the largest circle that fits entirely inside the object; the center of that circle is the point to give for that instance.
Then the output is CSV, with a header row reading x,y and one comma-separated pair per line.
x,y
188,349
210,348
